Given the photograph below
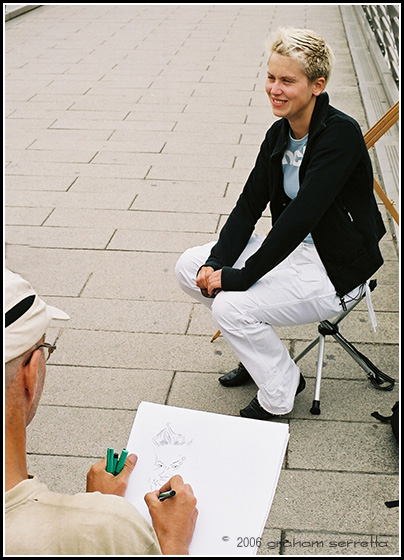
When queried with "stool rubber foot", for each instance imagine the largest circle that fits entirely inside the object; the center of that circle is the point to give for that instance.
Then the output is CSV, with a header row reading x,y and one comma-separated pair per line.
x,y
315,409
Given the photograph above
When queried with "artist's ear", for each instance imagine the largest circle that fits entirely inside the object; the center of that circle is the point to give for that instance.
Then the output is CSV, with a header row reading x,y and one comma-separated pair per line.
x,y
30,376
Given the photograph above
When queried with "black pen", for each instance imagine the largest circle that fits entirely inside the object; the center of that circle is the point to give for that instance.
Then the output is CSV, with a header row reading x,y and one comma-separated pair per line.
x,y
164,495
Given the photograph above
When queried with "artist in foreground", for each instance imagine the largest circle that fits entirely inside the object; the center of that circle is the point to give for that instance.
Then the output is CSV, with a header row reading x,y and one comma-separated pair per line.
x,y
99,522
314,171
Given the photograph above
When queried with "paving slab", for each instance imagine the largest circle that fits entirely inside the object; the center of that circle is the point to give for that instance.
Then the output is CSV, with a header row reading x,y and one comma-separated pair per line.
x,y
336,502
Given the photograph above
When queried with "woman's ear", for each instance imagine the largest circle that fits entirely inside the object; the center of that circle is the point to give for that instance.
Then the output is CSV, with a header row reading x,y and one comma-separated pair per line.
x,y
318,86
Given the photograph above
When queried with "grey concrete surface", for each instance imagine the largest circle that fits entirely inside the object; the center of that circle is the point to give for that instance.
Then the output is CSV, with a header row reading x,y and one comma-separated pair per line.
x,y
130,131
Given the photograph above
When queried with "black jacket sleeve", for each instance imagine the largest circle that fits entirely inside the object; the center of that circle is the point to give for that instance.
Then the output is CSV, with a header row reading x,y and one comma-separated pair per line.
x,y
241,222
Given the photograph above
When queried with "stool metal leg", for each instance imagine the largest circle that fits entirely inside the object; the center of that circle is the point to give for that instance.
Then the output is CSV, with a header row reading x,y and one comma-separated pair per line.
x,y
352,352
315,409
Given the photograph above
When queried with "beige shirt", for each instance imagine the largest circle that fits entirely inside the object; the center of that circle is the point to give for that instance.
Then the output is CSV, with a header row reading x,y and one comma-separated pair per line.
x,y
38,521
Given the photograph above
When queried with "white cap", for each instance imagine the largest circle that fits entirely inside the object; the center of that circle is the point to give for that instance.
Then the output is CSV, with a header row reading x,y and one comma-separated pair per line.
x,y
27,316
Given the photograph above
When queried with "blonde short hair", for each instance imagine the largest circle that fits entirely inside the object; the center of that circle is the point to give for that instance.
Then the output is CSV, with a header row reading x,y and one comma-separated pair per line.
x,y
307,48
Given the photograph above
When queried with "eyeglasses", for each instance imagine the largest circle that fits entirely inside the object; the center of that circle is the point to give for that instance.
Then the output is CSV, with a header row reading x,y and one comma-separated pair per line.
x,y
51,348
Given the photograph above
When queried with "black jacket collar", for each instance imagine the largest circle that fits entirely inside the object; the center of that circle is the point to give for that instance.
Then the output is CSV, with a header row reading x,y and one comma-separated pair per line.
x,y
320,113
317,122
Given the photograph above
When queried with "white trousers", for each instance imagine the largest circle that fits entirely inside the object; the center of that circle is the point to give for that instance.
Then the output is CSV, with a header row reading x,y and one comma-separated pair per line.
x,y
298,291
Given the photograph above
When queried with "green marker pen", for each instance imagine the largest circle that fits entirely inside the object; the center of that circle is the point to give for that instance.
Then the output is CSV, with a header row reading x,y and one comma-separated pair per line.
x,y
115,461
164,495
110,460
121,461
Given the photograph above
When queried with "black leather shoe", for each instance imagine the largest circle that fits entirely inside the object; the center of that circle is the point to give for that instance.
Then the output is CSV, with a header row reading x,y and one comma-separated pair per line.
x,y
255,410
302,385
236,377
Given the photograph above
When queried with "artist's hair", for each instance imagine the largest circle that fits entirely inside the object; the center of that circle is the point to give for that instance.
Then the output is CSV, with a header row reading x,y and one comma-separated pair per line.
x,y
307,48
11,370
12,367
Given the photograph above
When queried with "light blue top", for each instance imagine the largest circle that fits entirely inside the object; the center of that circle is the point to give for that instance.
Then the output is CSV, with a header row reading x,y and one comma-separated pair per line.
x,y
291,161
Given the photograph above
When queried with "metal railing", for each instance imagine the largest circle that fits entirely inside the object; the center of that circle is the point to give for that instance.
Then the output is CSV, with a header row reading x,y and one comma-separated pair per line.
x,y
384,20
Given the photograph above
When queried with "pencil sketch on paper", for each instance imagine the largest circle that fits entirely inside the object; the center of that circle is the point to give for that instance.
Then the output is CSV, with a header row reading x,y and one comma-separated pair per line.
x,y
170,456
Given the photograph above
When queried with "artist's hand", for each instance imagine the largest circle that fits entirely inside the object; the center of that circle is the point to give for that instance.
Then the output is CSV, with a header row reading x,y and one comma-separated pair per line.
x,y
99,480
209,281
173,519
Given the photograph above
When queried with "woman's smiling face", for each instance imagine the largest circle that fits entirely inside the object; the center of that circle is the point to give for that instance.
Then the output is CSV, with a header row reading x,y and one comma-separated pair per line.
x,y
291,93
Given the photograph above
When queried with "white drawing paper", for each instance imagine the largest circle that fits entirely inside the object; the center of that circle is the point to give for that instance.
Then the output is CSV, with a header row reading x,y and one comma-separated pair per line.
x,y
233,465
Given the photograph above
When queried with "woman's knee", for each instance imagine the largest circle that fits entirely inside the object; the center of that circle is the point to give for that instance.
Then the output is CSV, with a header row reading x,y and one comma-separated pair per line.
x,y
184,268
224,309
179,267
190,262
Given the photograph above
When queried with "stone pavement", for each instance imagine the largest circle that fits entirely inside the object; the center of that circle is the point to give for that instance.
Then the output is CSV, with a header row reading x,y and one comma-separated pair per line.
x,y
130,131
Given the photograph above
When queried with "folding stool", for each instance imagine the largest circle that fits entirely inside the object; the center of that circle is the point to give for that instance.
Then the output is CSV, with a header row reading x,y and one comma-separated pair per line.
x,y
379,379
